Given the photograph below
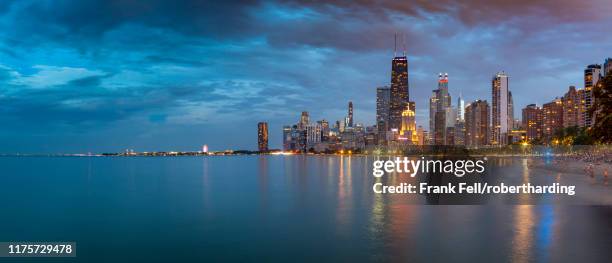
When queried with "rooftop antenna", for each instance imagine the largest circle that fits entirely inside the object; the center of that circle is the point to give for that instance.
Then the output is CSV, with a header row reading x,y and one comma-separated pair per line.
x,y
404,45
395,45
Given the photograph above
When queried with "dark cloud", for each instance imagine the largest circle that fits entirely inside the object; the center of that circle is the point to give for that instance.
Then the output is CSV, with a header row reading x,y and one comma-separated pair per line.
x,y
219,64
342,24
85,102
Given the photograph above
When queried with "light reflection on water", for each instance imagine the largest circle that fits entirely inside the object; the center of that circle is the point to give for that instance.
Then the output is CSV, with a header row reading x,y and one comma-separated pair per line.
x,y
272,208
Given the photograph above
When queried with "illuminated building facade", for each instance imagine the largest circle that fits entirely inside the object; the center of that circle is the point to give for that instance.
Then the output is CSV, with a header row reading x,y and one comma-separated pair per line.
x,y
408,131
287,138
304,120
459,133
313,134
460,108
433,102
477,123
439,104
399,95
552,118
571,107
422,135
501,120
262,136
533,122
518,136
383,95
439,128
324,130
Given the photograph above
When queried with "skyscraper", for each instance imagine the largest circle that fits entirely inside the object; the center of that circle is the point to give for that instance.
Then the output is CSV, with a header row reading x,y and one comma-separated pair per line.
x,y
580,94
287,138
459,133
459,130
439,128
500,118
477,123
607,67
533,122
262,136
324,130
383,95
313,135
439,105
460,108
444,95
510,111
592,74
422,135
399,96
571,103
552,118
350,114
304,120
433,105
408,130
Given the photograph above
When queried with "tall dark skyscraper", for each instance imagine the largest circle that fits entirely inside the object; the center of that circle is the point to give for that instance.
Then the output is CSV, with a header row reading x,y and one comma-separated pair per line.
x,y
262,136
477,123
439,107
607,67
383,96
399,90
350,114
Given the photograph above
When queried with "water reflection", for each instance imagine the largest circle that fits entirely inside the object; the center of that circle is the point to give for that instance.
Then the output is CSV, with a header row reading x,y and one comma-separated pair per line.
x,y
523,198
522,242
312,215
345,198
263,181
328,202
545,232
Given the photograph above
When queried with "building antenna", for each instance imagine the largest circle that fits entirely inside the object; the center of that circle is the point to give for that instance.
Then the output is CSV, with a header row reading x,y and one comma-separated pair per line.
x,y
404,44
395,45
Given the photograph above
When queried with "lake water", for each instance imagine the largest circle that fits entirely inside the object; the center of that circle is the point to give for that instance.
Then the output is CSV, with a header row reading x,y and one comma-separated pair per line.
x,y
290,209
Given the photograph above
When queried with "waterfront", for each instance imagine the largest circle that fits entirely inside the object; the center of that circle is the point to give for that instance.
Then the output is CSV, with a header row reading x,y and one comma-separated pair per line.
x,y
292,208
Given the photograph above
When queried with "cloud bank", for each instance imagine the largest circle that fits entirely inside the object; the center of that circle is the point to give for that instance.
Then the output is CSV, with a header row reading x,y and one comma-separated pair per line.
x,y
78,76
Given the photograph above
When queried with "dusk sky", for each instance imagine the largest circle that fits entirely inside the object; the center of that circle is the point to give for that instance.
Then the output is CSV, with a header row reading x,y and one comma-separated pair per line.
x,y
103,76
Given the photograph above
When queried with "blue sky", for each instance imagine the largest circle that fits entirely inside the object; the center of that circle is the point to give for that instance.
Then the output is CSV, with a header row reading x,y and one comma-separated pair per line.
x,y
103,76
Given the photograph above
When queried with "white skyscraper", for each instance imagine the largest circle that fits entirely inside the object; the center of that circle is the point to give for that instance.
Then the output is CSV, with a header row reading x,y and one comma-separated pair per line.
x,y
313,134
499,109
460,108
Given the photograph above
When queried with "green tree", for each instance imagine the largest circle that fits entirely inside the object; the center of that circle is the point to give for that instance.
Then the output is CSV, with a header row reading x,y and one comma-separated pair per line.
x,y
573,136
601,111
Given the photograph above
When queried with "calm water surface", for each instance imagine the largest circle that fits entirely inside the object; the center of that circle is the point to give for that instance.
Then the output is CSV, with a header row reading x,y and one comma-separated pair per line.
x,y
287,209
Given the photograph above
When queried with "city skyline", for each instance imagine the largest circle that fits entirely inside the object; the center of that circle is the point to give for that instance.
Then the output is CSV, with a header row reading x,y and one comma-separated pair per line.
x,y
496,127
136,80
